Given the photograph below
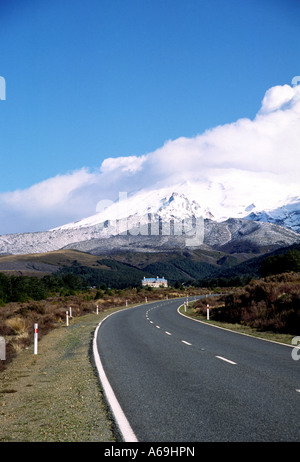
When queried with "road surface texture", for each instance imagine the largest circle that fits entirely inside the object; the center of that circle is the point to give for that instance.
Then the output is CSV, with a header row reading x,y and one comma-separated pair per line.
x,y
178,380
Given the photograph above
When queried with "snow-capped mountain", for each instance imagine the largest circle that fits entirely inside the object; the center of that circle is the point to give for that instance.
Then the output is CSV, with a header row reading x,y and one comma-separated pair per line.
x,y
163,204
177,202
286,215
168,218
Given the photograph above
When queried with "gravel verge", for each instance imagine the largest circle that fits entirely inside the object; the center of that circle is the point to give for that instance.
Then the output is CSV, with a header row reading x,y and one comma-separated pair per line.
x,y
55,396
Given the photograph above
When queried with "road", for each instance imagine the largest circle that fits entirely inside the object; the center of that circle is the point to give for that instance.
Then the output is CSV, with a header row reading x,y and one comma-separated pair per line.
x,y
178,380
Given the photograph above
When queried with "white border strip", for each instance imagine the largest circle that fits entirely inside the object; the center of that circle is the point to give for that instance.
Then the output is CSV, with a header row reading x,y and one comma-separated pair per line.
x,y
122,422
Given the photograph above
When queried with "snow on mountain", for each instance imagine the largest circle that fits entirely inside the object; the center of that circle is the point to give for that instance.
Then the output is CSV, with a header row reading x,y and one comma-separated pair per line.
x,y
165,216
176,202
286,215
166,204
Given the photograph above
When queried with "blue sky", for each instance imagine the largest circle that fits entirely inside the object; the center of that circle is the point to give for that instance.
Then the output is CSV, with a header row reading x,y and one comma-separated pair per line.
x,y
96,79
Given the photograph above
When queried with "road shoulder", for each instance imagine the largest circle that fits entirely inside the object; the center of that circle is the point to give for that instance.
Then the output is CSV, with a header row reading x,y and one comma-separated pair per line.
x,y
55,395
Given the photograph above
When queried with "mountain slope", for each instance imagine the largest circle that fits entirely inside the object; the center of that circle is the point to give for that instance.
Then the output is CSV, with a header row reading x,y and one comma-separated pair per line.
x,y
155,221
231,236
287,215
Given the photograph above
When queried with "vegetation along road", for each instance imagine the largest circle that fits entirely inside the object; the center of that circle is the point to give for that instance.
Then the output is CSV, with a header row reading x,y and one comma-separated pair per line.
x,y
55,396
176,379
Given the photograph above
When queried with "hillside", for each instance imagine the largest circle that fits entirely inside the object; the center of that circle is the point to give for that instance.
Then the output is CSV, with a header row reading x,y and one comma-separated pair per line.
x,y
126,268
45,263
121,267
275,262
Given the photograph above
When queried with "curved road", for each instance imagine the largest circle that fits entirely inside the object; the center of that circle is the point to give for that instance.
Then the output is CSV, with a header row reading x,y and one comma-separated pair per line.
x,y
178,380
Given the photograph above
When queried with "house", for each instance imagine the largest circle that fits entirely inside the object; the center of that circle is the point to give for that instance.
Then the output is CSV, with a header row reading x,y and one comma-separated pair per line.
x,y
154,282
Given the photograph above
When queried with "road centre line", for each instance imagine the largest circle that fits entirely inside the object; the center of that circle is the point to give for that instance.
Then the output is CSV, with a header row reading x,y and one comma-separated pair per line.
x,y
187,343
225,359
190,344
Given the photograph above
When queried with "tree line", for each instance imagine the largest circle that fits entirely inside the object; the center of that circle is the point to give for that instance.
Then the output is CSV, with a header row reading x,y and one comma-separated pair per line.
x,y
23,288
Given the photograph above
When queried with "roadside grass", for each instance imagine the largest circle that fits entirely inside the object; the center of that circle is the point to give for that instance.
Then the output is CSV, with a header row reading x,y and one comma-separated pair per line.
x,y
56,395
266,335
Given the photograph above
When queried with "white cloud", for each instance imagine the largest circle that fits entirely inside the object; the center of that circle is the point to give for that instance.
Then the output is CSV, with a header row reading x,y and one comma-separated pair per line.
x,y
276,98
38,207
49,193
253,159
269,143
130,164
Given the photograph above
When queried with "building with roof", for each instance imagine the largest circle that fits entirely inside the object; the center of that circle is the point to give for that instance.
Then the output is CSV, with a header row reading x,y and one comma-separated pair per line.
x,y
154,282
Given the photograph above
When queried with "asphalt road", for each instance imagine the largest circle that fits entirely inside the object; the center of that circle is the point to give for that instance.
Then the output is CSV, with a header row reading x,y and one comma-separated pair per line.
x,y
178,380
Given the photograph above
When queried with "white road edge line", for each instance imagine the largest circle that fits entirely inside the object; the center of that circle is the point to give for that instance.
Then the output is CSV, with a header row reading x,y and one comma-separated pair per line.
x,y
225,359
233,331
123,424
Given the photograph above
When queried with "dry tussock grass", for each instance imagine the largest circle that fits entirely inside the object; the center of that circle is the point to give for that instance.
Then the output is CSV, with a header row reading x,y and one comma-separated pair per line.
x,y
17,324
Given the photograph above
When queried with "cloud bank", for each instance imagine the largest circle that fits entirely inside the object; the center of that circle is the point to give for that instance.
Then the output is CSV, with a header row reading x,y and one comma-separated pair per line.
x,y
249,160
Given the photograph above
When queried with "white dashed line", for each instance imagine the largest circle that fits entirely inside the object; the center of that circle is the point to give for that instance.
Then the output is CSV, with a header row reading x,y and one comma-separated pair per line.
x,y
168,333
227,360
187,343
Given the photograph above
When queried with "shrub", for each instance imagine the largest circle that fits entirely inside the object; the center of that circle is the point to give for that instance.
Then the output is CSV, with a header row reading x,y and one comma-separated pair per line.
x,y
269,304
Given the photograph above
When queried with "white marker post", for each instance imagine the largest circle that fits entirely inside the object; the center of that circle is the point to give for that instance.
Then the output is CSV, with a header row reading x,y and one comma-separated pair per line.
x,y
67,318
126,302
207,311
70,311
146,299
185,306
97,309
35,339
